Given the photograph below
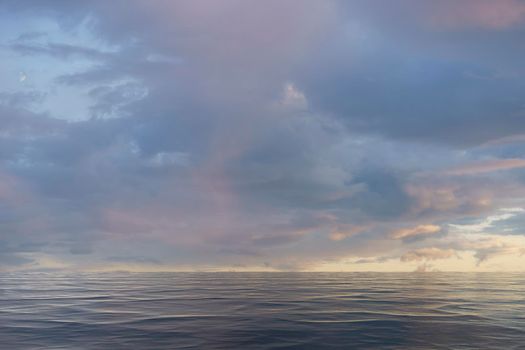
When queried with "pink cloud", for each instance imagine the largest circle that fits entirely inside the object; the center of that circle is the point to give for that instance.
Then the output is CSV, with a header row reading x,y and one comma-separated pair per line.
x,y
344,231
487,166
489,14
420,230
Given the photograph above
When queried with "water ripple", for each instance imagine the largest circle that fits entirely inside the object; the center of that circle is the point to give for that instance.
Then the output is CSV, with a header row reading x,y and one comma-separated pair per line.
x,y
262,311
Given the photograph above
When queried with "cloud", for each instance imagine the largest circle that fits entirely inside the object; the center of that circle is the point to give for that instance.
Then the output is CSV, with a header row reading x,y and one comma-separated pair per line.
x,y
344,232
293,98
418,231
252,132
13,260
425,268
428,100
133,260
488,222
59,50
487,167
20,100
486,248
487,14
428,254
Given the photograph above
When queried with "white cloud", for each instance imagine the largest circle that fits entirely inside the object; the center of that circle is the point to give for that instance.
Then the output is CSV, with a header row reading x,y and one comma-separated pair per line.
x,y
293,97
486,223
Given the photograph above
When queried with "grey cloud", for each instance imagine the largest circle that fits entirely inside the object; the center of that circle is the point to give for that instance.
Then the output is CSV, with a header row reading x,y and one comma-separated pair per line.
x,y
21,99
10,260
384,196
19,121
59,50
134,260
425,100
28,36
192,145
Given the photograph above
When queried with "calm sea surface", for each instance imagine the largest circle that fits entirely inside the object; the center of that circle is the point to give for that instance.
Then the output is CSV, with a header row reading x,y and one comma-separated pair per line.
x,y
262,311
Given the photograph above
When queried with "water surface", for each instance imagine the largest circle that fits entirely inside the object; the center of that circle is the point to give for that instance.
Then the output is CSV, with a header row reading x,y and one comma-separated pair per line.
x,y
262,311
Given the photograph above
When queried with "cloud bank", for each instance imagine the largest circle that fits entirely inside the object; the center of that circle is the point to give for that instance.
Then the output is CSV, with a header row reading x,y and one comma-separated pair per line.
x,y
267,135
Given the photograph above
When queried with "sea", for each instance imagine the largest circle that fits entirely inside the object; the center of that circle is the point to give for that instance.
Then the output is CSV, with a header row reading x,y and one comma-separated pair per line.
x,y
262,310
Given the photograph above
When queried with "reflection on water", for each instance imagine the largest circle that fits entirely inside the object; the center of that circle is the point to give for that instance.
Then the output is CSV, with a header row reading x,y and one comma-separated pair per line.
x,y
262,311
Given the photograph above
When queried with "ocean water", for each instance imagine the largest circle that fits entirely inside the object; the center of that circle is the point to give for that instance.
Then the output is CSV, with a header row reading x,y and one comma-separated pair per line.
x,y
262,311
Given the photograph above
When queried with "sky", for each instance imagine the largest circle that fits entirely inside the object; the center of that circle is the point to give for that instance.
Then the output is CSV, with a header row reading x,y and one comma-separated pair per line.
x,y
295,135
